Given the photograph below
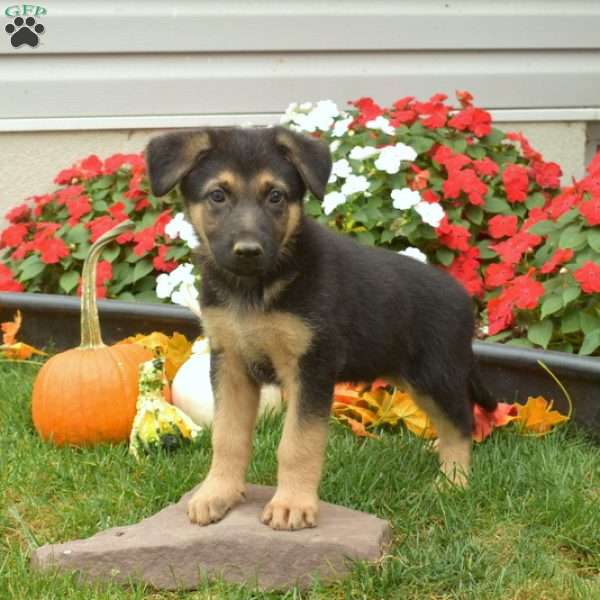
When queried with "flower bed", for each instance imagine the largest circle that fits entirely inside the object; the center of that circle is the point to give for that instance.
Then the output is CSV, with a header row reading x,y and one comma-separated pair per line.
x,y
422,178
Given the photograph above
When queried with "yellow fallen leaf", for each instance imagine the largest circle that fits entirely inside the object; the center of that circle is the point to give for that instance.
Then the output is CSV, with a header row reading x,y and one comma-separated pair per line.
x,y
411,415
175,349
537,416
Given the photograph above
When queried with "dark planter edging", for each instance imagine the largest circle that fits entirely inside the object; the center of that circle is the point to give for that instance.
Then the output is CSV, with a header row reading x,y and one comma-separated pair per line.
x,y
510,373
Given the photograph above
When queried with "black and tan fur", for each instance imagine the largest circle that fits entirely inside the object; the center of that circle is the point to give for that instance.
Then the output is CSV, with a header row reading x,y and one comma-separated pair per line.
x,y
285,300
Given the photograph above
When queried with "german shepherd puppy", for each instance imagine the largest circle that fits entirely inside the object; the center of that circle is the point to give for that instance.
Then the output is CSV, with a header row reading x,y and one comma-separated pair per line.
x,y
286,300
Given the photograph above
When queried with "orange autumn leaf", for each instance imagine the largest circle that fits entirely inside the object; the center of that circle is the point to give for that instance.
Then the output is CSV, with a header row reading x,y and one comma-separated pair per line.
x,y
485,422
175,349
357,427
537,416
10,330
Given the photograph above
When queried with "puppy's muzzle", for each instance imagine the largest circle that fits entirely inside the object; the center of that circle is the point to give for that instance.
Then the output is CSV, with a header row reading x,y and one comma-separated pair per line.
x,y
247,249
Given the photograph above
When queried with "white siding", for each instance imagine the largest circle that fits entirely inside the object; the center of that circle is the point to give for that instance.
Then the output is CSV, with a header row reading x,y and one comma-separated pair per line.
x,y
111,64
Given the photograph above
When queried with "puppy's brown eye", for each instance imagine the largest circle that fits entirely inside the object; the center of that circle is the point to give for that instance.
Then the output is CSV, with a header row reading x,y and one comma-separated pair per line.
x,y
217,196
275,197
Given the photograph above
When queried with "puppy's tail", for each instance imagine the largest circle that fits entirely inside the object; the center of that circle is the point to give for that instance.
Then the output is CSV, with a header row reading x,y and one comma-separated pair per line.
x,y
479,393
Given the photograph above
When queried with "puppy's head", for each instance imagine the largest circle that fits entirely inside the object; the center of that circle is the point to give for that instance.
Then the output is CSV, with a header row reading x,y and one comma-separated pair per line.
x,y
243,188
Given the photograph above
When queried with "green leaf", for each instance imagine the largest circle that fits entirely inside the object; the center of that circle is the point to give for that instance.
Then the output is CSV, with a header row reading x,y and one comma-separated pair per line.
x,y
494,137
495,204
420,144
568,217
122,277
31,267
589,323
572,237
177,252
147,296
590,343
457,145
99,206
101,183
366,238
387,236
142,268
77,234
68,281
476,152
484,250
474,214
570,322
81,252
535,200
520,342
593,238
126,297
499,337
551,305
444,256
540,333
571,293
542,227
111,252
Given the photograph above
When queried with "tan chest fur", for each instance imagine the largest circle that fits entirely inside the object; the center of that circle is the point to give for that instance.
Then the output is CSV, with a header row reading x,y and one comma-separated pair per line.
x,y
255,335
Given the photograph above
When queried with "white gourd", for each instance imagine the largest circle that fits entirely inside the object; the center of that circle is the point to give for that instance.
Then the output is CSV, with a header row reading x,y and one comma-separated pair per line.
x,y
192,392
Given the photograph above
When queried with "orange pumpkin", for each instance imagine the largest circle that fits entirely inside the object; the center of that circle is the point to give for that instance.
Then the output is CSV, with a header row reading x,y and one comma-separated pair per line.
x,y
88,394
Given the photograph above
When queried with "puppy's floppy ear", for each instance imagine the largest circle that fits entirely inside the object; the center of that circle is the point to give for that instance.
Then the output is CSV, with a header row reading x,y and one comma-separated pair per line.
x,y
171,156
310,156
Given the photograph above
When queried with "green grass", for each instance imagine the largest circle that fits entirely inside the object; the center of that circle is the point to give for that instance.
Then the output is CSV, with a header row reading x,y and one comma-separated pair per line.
x,y
528,527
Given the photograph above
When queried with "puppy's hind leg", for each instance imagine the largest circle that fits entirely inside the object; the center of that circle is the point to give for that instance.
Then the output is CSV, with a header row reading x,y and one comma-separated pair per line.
x,y
451,416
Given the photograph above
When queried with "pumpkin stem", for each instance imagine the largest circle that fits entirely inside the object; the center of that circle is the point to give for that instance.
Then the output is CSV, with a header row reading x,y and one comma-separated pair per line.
x,y
90,323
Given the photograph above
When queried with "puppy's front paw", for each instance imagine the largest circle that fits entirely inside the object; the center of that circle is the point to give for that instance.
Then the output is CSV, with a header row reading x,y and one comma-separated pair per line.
x,y
213,500
290,512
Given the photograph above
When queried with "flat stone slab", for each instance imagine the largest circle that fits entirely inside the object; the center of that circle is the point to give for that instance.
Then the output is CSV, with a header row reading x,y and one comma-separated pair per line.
x,y
166,551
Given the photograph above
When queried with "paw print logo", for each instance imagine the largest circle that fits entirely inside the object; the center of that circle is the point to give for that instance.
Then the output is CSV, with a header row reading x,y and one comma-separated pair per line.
x,y
24,31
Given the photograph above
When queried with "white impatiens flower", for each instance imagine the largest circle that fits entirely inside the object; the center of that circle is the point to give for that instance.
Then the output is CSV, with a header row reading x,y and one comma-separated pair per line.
x,y
309,118
341,126
180,286
355,184
178,227
332,200
362,152
414,253
391,157
341,168
381,123
405,198
431,213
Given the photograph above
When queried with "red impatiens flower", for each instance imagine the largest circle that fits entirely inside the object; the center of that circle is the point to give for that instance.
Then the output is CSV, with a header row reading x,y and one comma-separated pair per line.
x,y
368,110
559,205
52,250
511,250
117,212
455,237
473,119
135,190
588,277
141,204
465,98
113,163
522,292
453,161
68,193
144,241
515,182
497,275
465,181
103,276
430,196
13,235
591,211
486,166
547,174
78,207
501,226
8,283
465,268
433,114
528,151
67,176
18,213
401,112
40,202
560,257
91,167
159,262
99,226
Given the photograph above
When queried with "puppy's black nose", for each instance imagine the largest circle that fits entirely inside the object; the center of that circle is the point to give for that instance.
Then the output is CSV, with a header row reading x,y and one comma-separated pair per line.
x,y
247,249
